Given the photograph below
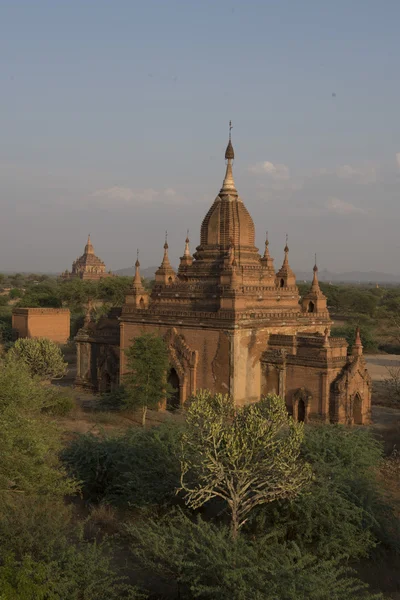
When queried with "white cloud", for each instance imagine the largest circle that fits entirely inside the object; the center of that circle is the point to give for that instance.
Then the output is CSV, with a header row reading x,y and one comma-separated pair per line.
x,y
342,208
398,159
275,171
127,194
360,174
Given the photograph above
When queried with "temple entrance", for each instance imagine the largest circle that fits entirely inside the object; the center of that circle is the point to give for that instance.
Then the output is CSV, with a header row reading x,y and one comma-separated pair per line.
x,y
301,411
311,307
357,410
106,383
173,401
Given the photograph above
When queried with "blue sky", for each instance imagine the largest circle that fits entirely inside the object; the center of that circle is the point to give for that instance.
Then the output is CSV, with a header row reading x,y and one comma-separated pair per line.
x,y
114,121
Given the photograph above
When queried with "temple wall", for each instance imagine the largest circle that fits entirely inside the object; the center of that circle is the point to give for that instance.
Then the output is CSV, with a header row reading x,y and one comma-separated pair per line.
x,y
248,382
317,382
248,345
50,323
212,347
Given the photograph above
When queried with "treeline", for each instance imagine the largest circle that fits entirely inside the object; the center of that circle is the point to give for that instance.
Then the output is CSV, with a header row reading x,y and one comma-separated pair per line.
x,y
34,291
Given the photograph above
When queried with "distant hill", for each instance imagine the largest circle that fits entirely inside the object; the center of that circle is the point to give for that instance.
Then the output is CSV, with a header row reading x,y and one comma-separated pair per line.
x,y
323,275
147,273
351,277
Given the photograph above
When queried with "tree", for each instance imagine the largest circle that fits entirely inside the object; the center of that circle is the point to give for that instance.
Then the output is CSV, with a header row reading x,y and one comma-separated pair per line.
x,y
29,441
15,293
345,506
349,332
200,559
246,456
146,382
43,357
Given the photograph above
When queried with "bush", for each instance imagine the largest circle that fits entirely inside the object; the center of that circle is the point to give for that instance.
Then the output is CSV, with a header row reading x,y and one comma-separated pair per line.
x,y
60,402
16,293
82,570
203,562
29,442
138,468
43,357
114,400
344,508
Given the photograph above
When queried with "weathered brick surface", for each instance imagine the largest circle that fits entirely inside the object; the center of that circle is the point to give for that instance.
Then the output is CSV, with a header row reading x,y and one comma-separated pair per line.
x,y
50,323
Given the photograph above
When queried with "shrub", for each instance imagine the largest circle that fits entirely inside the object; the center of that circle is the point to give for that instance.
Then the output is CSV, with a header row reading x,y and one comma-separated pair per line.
x,y
16,293
60,401
140,467
203,562
43,357
344,507
29,442
114,400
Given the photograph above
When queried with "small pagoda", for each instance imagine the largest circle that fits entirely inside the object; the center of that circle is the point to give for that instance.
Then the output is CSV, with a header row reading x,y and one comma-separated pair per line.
x,y
87,266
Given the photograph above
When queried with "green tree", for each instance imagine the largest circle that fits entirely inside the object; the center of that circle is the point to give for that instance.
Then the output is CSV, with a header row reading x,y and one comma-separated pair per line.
x,y
41,295
344,507
146,383
246,456
114,289
201,561
29,441
43,357
137,468
16,293
349,332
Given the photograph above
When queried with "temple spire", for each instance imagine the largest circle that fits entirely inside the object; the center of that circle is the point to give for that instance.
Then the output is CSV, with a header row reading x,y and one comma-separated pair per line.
x,y
285,275
137,281
187,258
89,246
165,274
228,186
357,347
187,249
266,251
315,282
286,250
165,261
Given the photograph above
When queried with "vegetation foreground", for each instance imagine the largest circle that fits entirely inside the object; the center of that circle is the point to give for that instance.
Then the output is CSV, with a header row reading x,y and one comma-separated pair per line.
x,y
230,503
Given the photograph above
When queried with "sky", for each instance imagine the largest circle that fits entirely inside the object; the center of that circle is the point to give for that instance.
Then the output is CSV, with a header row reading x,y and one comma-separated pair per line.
x,y
114,122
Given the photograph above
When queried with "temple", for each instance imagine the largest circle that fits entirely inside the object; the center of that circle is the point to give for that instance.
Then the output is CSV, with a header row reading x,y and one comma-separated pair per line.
x,y
233,324
87,266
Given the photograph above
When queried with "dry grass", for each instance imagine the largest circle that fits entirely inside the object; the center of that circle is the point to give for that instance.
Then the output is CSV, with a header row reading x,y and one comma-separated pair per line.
x,y
103,520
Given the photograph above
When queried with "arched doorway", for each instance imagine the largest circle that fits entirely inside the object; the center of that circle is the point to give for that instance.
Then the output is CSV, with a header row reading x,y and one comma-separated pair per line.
x,y
282,283
311,307
173,402
357,410
301,411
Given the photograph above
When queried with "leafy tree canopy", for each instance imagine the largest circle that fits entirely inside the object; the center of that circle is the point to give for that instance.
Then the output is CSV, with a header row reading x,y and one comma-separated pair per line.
x,y
43,357
146,383
246,456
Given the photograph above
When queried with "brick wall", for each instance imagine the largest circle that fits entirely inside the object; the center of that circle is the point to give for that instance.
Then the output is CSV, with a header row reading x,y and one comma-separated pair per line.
x,y
50,323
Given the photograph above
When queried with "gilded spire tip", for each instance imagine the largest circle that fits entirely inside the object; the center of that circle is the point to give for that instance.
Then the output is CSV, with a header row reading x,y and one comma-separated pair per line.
x,y
286,246
229,153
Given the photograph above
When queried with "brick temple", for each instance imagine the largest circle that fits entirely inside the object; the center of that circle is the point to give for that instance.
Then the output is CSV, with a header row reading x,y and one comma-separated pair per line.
x,y
88,266
234,324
